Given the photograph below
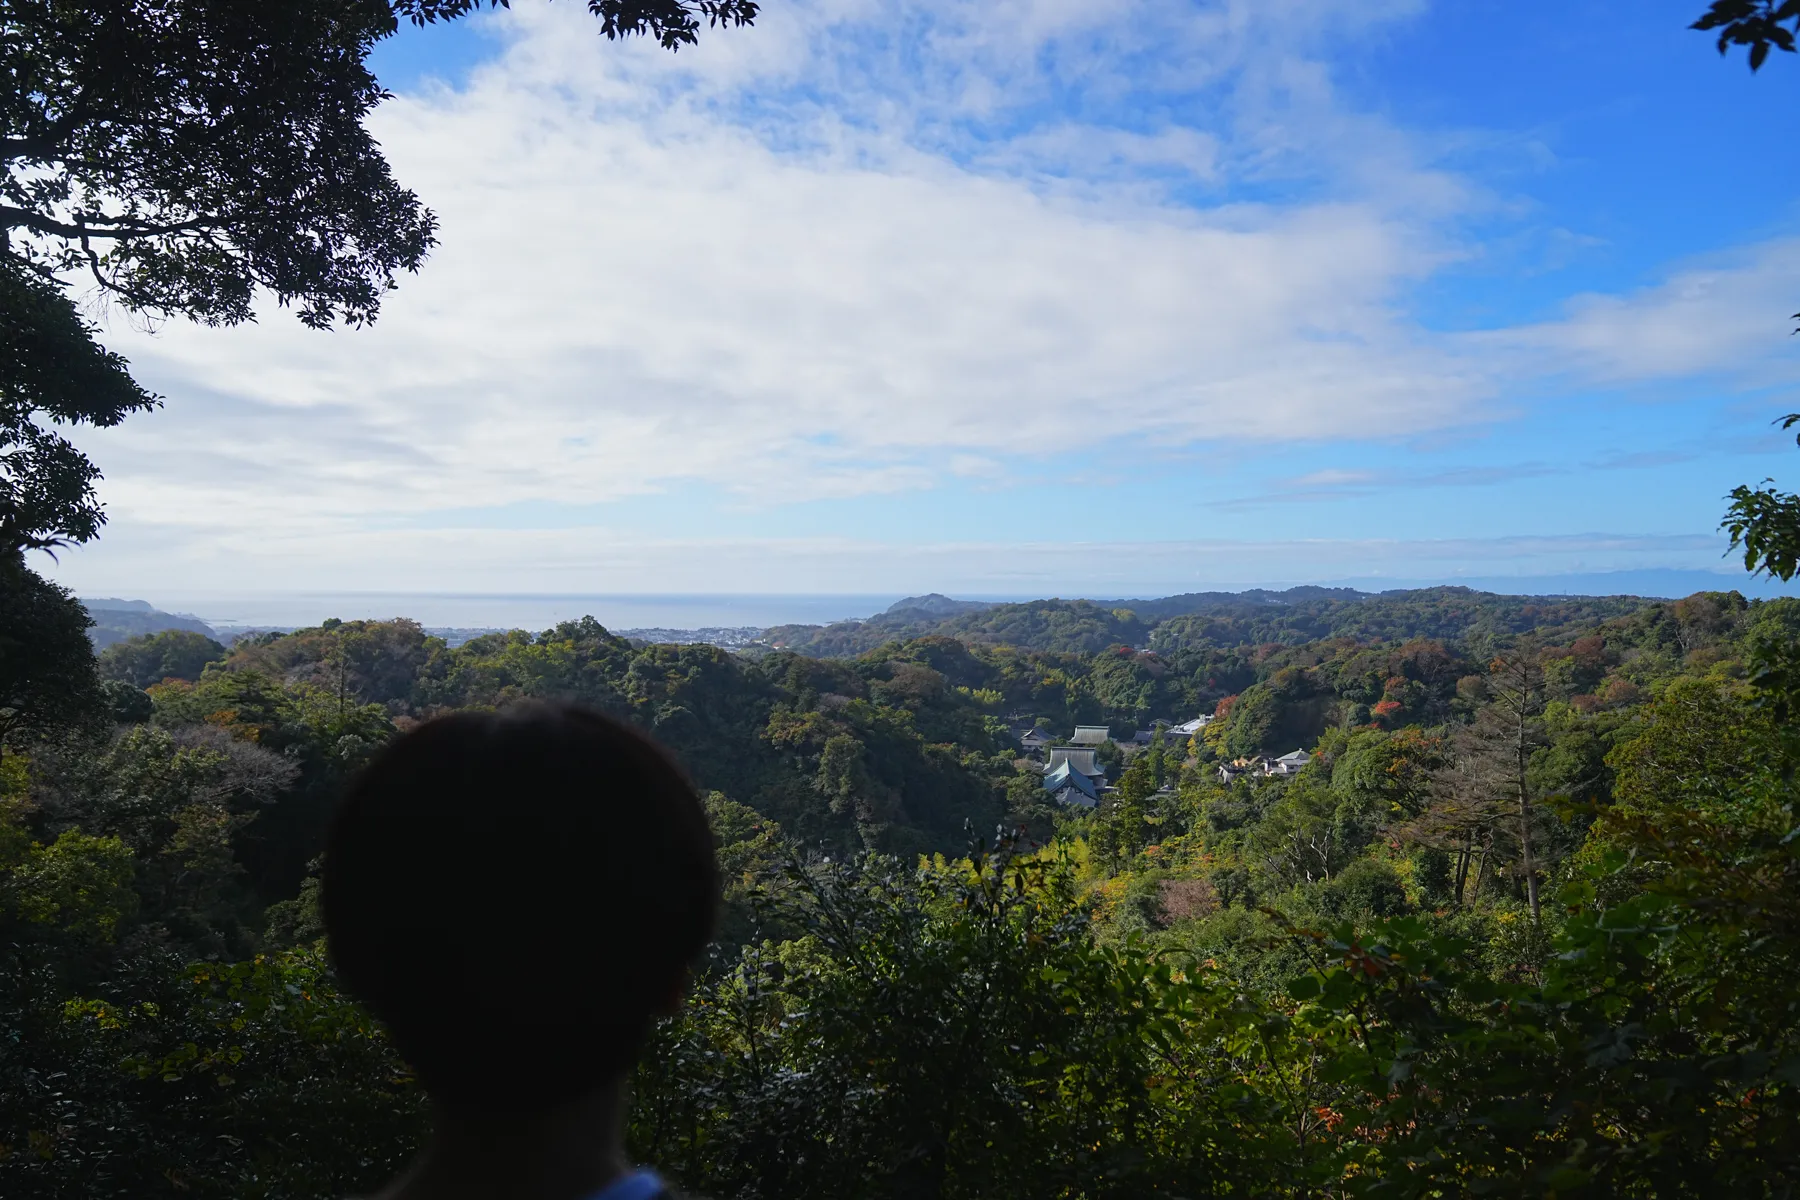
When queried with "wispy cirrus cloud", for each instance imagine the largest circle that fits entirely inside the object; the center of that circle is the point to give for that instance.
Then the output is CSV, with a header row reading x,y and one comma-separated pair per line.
x,y
1727,314
1341,484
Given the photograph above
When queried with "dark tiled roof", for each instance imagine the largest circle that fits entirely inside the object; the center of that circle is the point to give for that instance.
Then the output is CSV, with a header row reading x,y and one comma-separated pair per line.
x,y
1080,757
1066,776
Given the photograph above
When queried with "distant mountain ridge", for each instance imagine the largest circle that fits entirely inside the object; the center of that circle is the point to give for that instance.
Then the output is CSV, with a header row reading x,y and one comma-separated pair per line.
x,y
116,620
1223,619
1257,617
1161,608
934,604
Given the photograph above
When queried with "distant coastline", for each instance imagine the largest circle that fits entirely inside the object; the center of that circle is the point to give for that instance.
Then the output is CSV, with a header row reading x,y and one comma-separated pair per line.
x,y
634,614
478,612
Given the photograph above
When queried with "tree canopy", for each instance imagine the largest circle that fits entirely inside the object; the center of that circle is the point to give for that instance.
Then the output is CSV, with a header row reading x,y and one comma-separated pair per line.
x,y
48,679
51,369
1327,981
1759,25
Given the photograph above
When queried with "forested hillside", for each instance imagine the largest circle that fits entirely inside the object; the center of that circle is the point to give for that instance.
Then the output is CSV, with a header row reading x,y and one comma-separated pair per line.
x,y
119,620
882,753
1525,918
1220,619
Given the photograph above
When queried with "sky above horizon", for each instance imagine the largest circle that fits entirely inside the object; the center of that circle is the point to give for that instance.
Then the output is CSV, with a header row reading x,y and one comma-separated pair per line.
x,y
1012,297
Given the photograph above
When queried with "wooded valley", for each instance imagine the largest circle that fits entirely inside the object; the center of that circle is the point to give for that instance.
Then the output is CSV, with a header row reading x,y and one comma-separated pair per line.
x,y
1523,923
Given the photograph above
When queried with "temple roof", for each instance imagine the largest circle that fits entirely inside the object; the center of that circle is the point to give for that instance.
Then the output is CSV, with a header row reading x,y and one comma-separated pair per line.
x,y
1072,795
1064,777
1081,759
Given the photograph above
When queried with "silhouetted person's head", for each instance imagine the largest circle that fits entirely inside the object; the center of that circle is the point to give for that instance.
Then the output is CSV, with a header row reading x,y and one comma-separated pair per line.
x,y
517,895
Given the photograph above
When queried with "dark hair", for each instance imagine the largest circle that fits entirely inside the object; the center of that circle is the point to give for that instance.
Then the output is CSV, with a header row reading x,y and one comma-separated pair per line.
x,y
515,895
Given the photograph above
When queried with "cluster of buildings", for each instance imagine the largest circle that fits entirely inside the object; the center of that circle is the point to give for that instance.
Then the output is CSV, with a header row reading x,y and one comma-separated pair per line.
x,y
1263,767
1071,773
1073,776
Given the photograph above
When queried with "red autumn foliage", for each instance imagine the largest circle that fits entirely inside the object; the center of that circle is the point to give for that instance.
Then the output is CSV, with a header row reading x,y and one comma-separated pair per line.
x,y
1185,899
1619,692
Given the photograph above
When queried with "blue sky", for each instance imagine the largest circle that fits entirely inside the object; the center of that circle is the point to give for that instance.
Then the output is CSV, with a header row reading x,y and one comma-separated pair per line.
x,y
1015,297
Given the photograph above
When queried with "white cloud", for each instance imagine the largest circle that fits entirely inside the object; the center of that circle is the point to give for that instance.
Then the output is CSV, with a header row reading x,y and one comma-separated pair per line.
x,y
1726,313
636,288
853,251
1332,477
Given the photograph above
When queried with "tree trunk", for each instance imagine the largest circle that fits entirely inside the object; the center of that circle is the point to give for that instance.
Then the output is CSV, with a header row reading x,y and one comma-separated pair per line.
x,y
1464,857
1487,849
1531,887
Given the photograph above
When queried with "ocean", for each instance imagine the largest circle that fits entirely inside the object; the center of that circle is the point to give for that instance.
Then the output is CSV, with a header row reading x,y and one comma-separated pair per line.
x,y
533,612
474,611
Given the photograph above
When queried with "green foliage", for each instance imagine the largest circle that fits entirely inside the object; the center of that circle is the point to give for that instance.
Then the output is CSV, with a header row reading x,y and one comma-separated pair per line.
x,y
915,1036
1762,522
1270,714
1323,982
1310,831
51,371
952,1031
181,803
378,662
1390,774
128,705
1053,626
750,848
1765,524
255,1079
1222,622
213,150
180,156
47,676
1366,888
154,657
884,753
79,885
1120,827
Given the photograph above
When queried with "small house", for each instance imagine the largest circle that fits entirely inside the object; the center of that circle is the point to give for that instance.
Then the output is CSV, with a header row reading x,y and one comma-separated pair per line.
x,y
1289,764
1240,767
1090,735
